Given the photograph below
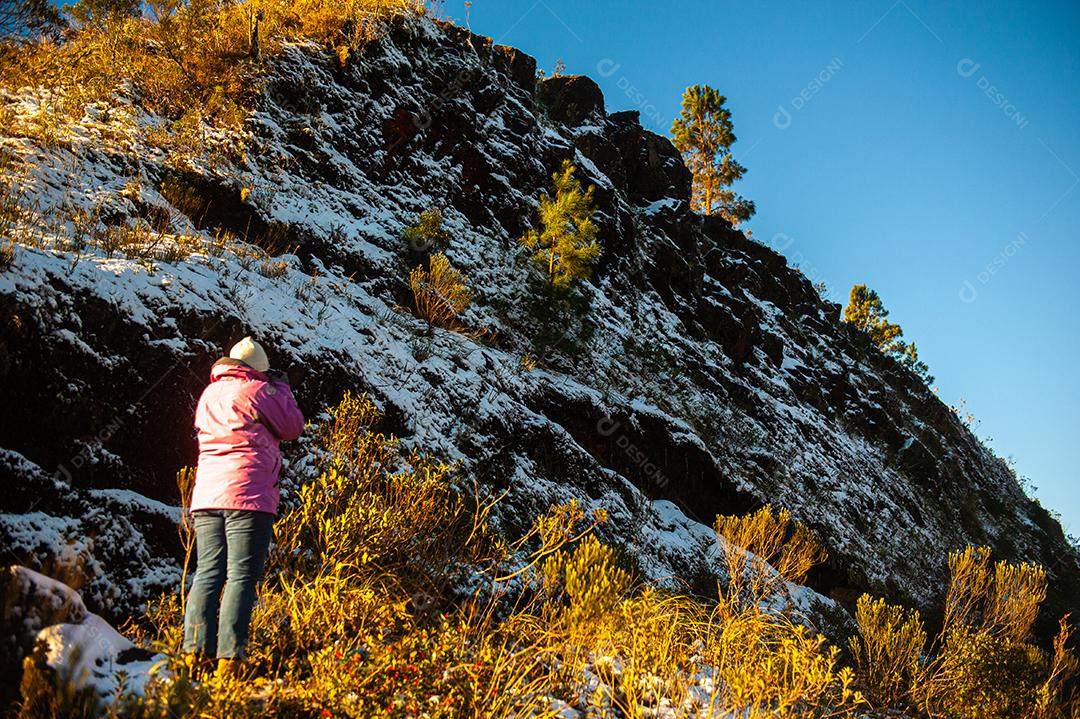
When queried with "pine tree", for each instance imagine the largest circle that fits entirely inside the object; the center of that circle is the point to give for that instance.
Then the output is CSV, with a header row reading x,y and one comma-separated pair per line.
x,y
866,311
704,134
565,245
427,233
908,355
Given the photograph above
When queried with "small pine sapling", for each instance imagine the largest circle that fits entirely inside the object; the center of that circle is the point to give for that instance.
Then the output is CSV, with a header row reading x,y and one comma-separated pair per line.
x,y
565,244
867,313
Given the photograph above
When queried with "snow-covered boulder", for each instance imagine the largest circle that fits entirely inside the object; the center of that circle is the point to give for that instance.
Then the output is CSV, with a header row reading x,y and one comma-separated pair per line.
x,y
29,602
47,620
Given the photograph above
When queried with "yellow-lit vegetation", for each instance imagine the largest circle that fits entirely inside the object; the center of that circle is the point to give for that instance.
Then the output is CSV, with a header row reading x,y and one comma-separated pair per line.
x,y
888,650
565,243
74,229
427,233
982,664
195,62
440,292
363,614
7,255
764,550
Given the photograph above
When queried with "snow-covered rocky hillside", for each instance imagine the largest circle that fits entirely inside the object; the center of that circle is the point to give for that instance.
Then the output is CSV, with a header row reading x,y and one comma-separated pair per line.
x,y
700,375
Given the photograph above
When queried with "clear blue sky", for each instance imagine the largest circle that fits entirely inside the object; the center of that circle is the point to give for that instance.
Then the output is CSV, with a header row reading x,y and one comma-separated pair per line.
x,y
930,150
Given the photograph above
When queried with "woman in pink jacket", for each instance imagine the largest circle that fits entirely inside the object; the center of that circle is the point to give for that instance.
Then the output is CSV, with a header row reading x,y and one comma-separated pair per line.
x,y
243,415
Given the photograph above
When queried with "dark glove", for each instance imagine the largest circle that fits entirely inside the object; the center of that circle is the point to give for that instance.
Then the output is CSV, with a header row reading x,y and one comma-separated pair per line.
x,y
277,375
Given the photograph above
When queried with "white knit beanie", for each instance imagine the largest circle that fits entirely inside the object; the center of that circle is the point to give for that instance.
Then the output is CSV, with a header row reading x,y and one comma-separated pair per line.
x,y
250,353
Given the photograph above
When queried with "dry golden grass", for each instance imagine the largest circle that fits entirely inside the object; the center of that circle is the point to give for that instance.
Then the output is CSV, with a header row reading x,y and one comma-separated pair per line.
x,y
440,293
764,550
185,484
192,62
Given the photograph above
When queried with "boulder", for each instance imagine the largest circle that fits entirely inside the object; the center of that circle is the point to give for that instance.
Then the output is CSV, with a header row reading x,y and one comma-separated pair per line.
x,y
653,167
29,602
520,67
55,642
572,98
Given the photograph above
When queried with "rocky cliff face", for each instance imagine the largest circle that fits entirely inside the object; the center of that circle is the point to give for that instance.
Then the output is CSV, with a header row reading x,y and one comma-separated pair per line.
x,y
696,374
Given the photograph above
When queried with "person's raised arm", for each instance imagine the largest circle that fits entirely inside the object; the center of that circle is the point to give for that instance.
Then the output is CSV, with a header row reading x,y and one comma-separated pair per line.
x,y
278,410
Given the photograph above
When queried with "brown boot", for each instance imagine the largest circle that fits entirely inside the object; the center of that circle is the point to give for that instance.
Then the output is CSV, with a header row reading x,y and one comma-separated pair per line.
x,y
230,669
199,665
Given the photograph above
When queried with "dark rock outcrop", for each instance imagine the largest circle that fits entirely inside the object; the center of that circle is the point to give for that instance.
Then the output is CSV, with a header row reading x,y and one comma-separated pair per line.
x,y
572,99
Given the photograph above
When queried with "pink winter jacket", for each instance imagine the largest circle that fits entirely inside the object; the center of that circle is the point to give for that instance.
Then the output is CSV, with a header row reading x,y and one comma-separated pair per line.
x,y
242,417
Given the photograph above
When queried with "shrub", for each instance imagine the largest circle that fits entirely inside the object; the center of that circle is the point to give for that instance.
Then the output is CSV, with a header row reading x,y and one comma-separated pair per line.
x,y
299,615
185,529
1064,666
655,637
439,292
762,549
427,233
54,695
985,676
451,668
344,25
649,648
1002,600
985,667
771,667
361,512
887,651
16,210
588,580
981,665
177,689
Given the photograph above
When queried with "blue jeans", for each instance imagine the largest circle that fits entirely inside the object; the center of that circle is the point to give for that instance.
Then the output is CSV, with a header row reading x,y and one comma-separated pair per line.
x,y
231,547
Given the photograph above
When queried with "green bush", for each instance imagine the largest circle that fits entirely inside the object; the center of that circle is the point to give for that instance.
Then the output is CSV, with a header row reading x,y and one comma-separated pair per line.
x,y
427,234
983,676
